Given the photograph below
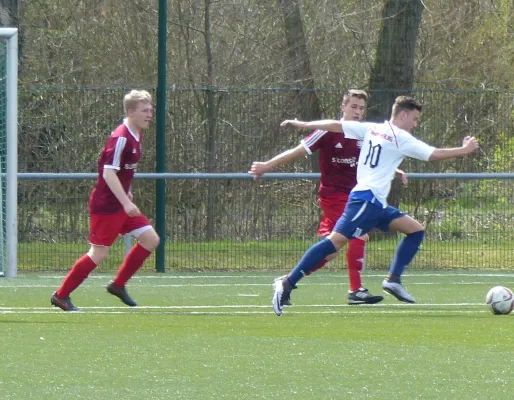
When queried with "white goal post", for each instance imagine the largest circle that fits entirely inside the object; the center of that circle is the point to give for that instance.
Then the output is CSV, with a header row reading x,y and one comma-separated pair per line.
x,y
9,228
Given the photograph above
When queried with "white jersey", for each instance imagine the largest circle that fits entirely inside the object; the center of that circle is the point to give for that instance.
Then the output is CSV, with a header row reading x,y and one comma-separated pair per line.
x,y
383,149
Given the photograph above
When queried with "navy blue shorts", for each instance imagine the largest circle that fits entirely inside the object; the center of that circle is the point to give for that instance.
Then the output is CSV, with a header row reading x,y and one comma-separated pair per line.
x,y
361,216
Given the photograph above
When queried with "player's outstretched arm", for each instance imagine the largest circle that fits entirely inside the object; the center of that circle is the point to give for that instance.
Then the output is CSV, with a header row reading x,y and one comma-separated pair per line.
x,y
260,168
332,125
469,145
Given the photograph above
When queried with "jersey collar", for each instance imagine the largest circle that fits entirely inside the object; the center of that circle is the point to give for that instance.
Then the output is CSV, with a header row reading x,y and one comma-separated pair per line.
x,y
394,133
130,130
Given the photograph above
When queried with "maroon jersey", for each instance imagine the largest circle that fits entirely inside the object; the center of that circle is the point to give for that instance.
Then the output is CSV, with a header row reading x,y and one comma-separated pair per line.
x,y
121,152
337,160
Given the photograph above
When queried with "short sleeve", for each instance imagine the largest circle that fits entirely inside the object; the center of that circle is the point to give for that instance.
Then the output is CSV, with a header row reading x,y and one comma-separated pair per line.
x,y
354,129
314,141
415,148
113,152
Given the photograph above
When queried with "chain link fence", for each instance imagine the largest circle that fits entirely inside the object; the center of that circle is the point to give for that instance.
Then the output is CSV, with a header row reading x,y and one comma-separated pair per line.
x,y
256,225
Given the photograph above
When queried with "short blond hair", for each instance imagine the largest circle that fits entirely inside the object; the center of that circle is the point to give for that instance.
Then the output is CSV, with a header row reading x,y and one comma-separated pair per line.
x,y
360,94
134,97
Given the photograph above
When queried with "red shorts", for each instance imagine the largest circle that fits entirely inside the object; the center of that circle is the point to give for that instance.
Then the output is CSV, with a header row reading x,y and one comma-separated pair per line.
x,y
331,209
105,228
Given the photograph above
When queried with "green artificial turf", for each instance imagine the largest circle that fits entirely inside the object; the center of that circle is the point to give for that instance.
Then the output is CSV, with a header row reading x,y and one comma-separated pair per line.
x,y
215,336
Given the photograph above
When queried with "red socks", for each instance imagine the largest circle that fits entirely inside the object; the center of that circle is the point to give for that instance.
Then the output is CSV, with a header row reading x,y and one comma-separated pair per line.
x,y
78,273
132,262
319,266
84,265
355,257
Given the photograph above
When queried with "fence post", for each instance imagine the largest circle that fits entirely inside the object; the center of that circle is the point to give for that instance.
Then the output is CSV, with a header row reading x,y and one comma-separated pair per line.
x,y
160,147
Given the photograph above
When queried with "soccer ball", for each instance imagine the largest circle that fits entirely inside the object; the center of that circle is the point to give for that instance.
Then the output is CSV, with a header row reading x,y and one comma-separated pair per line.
x,y
500,300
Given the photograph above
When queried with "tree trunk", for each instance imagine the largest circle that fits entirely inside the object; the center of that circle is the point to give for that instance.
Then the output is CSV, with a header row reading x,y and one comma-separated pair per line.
x,y
308,105
393,72
9,13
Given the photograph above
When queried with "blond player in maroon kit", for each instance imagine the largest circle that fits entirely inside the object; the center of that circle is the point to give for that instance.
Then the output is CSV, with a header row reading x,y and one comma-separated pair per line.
x,y
111,209
338,166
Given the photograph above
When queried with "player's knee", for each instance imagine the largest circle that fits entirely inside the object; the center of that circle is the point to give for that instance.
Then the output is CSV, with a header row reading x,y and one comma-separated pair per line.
x,y
149,240
337,240
98,253
156,240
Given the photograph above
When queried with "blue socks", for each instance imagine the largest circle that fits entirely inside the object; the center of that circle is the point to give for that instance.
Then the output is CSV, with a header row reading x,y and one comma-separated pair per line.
x,y
310,259
405,252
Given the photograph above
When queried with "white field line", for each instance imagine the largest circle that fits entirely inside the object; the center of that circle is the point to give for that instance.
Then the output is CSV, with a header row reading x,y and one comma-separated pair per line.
x,y
250,306
231,276
341,309
183,285
229,313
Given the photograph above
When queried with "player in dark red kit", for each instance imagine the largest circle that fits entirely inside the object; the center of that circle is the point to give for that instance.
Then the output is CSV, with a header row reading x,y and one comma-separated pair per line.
x,y
111,209
338,166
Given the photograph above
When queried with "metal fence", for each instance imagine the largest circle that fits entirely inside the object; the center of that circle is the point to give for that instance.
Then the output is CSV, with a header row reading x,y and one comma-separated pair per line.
x,y
256,225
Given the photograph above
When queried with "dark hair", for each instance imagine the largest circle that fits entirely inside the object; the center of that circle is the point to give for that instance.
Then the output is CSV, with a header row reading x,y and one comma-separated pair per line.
x,y
360,94
405,103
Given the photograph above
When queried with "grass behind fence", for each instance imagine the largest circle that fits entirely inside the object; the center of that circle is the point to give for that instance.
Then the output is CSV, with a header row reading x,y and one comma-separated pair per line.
x,y
277,255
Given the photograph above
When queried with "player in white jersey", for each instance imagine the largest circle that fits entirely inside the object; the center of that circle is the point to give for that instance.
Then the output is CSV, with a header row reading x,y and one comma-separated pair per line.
x,y
385,145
